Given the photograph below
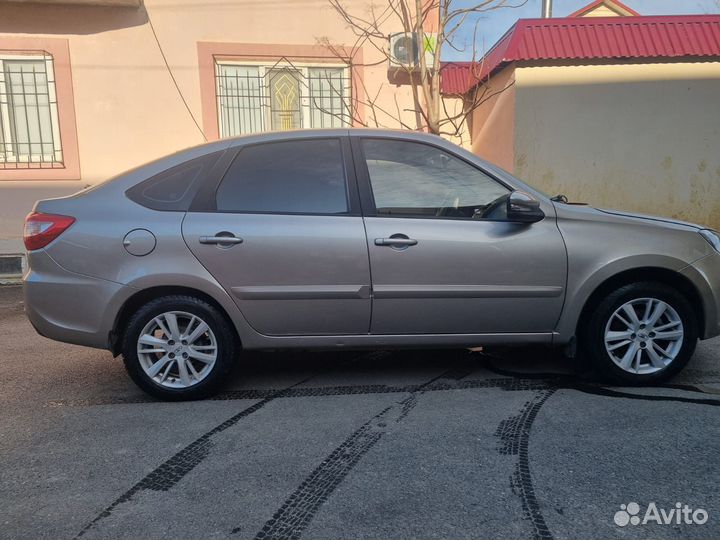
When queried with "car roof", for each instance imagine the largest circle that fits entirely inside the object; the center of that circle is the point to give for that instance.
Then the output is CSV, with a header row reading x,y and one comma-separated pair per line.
x,y
277,136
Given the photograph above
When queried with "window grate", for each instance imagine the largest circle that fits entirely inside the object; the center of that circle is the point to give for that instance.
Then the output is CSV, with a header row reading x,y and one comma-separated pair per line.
x,y
279,97
29,129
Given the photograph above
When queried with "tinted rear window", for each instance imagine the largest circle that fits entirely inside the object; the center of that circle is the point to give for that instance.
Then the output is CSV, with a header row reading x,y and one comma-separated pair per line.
x,y
298,177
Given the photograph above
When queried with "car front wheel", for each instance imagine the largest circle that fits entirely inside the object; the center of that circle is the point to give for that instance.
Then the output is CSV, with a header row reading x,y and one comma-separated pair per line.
x,y
641,333
178,348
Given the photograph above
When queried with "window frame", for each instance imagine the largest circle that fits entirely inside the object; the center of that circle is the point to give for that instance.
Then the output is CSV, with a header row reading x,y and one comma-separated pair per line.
x,y
205,200
59,49
5,121
367,198
264,67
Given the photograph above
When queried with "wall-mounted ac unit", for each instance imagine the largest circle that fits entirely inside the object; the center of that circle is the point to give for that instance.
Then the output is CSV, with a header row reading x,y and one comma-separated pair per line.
x,y
405,49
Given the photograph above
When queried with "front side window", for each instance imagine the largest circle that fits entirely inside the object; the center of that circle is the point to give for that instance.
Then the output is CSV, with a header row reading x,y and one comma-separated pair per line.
x,y
29,129
415,179
255,98
296,177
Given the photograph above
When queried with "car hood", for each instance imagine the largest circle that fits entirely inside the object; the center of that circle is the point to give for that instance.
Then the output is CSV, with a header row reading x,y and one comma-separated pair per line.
x,y
585,212
646,217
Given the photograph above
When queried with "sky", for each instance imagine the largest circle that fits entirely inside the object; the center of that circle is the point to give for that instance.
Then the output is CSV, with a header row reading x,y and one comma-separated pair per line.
x,y
491,26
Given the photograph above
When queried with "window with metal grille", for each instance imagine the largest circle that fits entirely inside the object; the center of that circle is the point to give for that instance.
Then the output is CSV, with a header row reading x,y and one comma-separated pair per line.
x,y
29,129
254,97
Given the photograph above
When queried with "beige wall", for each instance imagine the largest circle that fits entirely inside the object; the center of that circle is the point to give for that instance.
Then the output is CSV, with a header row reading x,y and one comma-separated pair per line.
x,y
601,11
493,122
128,110
638,137
458,131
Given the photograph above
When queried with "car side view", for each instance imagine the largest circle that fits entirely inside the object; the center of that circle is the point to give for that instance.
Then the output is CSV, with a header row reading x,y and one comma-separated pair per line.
x,y
357,238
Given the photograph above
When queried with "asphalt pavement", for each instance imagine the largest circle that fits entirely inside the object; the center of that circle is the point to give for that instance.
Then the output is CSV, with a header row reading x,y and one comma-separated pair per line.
x,y
412,444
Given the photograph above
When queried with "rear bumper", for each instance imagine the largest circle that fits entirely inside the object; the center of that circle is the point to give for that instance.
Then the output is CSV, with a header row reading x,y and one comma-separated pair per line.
x,y
705,274
70,307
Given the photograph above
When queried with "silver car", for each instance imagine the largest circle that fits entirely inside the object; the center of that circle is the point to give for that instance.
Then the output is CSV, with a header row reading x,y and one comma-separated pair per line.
x,y
353,239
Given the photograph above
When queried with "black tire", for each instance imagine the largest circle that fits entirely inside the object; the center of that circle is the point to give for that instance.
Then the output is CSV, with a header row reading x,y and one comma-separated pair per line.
x,y
224,336
592,334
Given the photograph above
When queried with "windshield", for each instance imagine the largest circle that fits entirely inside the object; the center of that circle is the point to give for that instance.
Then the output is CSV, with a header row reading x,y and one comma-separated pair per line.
x,y
502,173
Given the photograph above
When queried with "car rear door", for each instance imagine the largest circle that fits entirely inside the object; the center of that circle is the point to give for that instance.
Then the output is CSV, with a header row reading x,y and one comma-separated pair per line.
x,y
284,235
438,266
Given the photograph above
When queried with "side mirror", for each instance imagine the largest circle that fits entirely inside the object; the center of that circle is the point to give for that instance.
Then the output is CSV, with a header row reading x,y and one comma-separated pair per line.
x,y
523,208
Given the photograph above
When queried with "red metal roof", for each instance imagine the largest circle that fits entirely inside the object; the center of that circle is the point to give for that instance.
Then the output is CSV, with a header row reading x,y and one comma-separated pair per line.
x,y
590,38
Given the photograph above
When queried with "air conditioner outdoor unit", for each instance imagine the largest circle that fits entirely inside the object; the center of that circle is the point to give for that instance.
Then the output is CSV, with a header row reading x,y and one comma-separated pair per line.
x,y
405,49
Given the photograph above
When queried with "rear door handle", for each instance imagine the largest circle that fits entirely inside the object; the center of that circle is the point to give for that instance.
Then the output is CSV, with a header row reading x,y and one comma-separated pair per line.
x,y
396,242
221,240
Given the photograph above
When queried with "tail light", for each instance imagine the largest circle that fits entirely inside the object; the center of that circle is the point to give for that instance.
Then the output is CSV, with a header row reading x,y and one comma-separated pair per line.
x,y
41,229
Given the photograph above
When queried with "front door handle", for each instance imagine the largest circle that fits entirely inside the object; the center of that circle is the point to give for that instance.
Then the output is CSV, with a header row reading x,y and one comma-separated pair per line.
x,y
221,240
396,241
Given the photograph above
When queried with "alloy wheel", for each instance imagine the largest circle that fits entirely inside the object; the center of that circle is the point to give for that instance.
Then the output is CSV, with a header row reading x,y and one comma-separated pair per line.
x,y
644,336
177,349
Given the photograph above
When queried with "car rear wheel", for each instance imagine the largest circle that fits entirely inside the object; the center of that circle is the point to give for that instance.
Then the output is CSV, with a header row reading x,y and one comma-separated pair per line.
x,y
178,348
642,333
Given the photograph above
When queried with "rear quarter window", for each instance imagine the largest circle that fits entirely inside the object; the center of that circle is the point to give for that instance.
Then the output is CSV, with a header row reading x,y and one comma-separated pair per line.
x,y
174,188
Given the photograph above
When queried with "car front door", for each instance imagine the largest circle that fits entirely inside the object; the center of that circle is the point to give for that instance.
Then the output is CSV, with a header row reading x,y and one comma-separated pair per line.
x,y
283,234
442,262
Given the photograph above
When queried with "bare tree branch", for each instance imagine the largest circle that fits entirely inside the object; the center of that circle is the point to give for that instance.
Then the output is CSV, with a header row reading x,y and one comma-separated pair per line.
x,y
431,110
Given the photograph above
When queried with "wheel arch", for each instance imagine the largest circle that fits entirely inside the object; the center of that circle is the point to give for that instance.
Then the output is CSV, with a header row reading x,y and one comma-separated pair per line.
x,y
662,275
143,296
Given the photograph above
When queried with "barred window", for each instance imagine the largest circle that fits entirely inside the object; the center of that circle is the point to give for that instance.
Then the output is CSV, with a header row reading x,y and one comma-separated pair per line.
x,y
254,98
29,129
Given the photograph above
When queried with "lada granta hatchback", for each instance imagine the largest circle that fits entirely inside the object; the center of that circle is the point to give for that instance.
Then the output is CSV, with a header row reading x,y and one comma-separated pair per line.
x,y
357,239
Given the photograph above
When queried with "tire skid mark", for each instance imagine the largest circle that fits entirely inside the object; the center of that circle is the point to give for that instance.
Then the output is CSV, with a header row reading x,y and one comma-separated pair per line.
x,y
299,509
174,469
699,388
505,383
607,392
514,435
568,382
521,383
